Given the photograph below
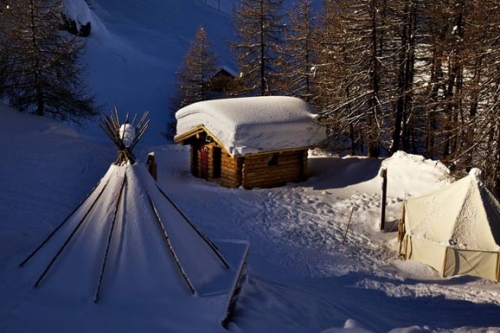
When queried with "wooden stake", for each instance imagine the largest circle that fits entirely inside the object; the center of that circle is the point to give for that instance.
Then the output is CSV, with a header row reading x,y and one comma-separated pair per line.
x,y
407,240
151,164
348,224
383,174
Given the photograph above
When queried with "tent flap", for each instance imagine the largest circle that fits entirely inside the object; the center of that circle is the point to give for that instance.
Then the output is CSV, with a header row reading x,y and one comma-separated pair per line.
x,y
427,252
476,263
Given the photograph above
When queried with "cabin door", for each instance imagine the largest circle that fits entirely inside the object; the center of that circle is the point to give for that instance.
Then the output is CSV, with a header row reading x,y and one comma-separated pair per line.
x,y
204,161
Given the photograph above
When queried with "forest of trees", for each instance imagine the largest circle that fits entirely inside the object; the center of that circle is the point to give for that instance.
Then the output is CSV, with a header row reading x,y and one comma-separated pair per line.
x,y
40,68
416,75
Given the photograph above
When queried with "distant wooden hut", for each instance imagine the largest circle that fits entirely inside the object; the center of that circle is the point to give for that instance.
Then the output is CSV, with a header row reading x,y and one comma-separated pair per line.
x,y
250,142
223,80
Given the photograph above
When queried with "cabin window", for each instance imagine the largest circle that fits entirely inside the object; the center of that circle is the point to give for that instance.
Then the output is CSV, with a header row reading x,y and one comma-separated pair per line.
x,y
272,160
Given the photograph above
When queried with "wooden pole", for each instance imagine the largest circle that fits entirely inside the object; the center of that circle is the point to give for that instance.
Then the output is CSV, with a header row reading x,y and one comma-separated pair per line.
x,y
445,261
348,224
401,229
383,174
152,167
58,227
170,247
108,244
498,267
37,283
207,240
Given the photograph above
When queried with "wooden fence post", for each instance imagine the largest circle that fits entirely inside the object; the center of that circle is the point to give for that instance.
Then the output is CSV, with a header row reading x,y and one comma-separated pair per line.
x,y
383,174
151,164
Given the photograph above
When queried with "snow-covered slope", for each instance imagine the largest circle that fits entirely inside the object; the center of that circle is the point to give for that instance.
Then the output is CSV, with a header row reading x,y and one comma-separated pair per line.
x,y
136,46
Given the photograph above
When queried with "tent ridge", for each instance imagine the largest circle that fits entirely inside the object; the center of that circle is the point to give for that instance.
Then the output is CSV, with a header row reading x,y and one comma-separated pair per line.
x,y
463,200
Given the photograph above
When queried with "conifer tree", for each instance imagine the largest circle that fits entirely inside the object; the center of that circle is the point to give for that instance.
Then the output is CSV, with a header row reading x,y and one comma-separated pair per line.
x,y
43,73
297,67
259,26
199,66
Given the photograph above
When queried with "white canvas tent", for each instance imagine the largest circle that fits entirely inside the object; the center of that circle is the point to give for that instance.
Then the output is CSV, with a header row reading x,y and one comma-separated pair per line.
x,y
128,245
455,230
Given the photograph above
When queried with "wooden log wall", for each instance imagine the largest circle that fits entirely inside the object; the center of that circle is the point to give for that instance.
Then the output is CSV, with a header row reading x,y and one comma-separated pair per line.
x,y
249,171
291,167
230,170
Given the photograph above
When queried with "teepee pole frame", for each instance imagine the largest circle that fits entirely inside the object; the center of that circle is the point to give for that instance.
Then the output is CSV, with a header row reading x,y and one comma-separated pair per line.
x,y
57,228
170,247
139,135
212,246
40,278
111,126
110,236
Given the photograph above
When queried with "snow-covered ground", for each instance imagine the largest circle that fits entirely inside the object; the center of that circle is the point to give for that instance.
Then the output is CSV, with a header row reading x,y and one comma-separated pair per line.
x,y
305,273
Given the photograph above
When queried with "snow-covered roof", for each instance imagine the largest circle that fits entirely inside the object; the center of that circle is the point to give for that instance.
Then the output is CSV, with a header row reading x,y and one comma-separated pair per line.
x,y
229,70
254,124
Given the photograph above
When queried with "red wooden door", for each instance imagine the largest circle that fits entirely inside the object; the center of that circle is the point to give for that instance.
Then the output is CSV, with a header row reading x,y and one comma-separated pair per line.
x,y
204,162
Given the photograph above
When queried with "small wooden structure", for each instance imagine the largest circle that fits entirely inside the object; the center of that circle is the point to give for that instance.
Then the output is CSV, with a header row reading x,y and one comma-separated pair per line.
x,y
214,159
222,80
211,161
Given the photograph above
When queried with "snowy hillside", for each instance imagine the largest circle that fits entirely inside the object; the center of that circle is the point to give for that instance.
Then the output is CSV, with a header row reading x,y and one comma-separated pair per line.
x,y
136,47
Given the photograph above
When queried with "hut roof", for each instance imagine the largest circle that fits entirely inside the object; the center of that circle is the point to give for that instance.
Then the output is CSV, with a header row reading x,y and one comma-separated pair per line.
x,y
253,124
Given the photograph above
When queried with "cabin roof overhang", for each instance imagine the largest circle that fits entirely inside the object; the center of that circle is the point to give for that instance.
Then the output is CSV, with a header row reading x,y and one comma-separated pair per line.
x,y
198,132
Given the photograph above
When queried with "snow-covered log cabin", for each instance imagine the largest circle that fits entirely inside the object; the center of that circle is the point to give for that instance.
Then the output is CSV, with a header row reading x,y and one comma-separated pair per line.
x,y
250,141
